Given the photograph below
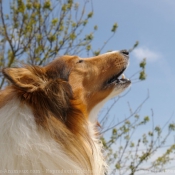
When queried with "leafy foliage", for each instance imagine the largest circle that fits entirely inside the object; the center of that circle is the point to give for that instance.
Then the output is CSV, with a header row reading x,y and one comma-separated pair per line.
x,y
36,31
142,73
129,150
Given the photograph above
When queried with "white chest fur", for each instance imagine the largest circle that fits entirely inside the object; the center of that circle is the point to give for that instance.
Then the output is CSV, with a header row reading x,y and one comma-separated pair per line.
x,y
24,149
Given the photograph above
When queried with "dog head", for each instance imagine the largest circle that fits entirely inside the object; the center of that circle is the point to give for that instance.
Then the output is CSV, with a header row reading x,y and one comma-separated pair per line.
x,y
98,79
90,80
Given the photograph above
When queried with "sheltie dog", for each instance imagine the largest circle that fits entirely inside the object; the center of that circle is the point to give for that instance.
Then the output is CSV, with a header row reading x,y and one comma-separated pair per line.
x,y
48,115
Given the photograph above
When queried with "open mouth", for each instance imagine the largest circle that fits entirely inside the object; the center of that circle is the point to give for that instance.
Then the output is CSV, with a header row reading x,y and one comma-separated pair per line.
x,y
118,79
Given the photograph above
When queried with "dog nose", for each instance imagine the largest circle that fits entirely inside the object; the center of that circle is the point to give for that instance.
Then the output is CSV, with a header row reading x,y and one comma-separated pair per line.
x,y
124,52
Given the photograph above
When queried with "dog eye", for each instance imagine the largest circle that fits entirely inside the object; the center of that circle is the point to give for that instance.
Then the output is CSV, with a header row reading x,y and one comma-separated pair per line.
x,y
80,61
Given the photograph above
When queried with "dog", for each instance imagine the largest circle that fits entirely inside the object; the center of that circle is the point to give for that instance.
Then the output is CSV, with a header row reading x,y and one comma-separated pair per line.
x,y
48,115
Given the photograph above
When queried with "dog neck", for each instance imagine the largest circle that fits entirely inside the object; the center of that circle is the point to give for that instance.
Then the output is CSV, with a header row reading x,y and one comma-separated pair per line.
x,y
93,115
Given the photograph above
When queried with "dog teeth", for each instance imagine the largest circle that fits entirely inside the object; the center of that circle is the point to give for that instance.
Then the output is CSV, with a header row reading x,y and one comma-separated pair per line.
x,y
123,76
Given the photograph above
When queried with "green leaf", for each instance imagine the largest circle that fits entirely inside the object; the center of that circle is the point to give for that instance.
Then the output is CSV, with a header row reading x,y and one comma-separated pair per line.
x,y
88,47
117,166
172,127
142,75
114,131
89,37
95,27
96,53
143,63
29,5
54,21
72,36
36,5
90,15
114,27
47,4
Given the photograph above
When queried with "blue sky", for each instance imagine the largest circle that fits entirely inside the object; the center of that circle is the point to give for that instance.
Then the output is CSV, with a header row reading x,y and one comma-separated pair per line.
x,y
152,23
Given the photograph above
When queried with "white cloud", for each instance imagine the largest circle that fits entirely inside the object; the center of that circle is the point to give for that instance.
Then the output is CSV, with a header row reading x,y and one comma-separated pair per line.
x,y
143,52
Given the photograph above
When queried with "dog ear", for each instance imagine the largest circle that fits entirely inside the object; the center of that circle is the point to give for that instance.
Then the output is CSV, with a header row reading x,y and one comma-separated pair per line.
x,y
23,78
32,78
47,87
